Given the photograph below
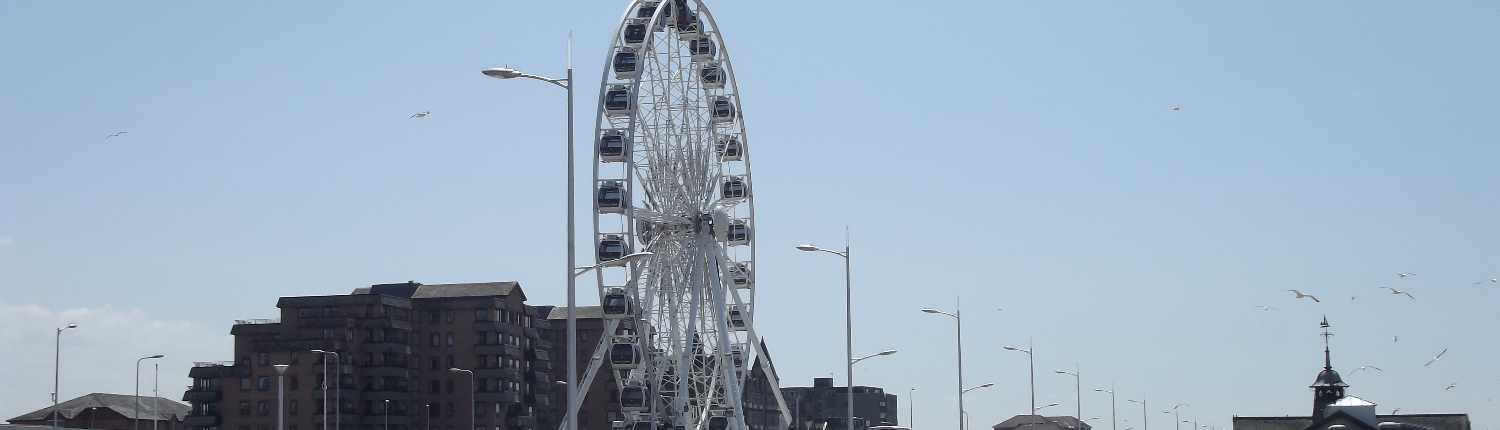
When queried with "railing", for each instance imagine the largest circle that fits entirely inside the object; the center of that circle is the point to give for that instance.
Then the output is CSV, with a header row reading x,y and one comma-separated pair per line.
x,y
213,363
258,321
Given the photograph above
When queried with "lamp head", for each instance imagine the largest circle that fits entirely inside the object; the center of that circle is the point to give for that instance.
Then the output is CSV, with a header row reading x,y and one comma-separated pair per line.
x,y
156,356
1059,371
501,73
987,384
807,248
930,310
72,326
320,351
887,352
1101,389
1011,348
455,369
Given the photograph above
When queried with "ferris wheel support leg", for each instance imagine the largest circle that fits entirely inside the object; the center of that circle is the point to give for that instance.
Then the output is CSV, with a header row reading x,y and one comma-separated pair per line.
x,y
730,374
685,353
760,353
595,363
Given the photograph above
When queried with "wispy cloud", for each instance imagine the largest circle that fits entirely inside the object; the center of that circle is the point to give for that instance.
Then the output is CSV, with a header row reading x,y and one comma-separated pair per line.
x,y
98,356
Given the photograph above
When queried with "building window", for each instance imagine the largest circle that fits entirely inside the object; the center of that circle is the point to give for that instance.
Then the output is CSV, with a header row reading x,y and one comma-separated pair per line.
x,y
265,358
450,388
330,311
433,410
437,339
294,382
263,408
434,361
450,315
450,362
294,357
450,339
432,316
263,383
244,408
328,333
292,407
450,405
302,313
244,383
432,386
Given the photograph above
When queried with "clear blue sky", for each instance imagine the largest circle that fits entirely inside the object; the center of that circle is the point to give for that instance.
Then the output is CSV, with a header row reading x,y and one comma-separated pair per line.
x,y
1020,154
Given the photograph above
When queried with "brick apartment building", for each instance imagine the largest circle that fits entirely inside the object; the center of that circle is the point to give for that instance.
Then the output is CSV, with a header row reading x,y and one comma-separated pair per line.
x,y
395,346
825,406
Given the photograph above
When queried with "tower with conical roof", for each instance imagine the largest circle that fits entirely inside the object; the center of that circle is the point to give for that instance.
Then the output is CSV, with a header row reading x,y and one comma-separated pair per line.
x,y
1329,387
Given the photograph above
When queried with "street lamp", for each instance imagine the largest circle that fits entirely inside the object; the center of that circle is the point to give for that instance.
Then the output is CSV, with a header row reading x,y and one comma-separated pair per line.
x,y
1174,414
280,397
471,391
848,322
1077,388
1038,408
965,421
138,389
569,421
630,258
911,407
386,409
886,352
338,401
1112,417
57,367
976,387
960,322
1031,357
1142,401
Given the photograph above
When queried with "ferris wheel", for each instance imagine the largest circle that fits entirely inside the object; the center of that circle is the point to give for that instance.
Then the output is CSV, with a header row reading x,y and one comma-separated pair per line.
x,y
672,177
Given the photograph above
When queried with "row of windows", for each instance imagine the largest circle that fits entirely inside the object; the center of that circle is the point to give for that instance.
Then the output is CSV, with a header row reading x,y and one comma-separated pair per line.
x,y
264,383
264,407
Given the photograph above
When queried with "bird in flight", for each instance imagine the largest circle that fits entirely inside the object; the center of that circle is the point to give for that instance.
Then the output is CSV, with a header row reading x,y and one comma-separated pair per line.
x,y
1403,275
1265,308
1396,338
1491,280
1450,386
118,133
1435,359
1351,297
1176,108
1366,367
1396,291
420,114
1301,295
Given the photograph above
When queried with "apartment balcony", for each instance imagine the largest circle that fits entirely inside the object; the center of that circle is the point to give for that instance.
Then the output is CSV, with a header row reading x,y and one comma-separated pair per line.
x,y
378,419
486,326
392,394
260,326
295,345
490,349
335,368
541,323
337,393
497,372
541,366
498,396
537,399
384,322
397,371
532,333
541,377
201,420
200,395
217,369
542,343
381,347
347,417
538,354
325,322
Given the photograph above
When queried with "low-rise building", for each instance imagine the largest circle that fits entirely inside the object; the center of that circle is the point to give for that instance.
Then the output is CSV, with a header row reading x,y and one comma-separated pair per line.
x,y
109,412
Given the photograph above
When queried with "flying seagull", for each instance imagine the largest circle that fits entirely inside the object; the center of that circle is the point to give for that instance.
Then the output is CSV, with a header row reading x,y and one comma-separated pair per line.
x,y
1396,291
118,133
420,114
1403,275
1435,359
1265,308
1351,297
1396,338
1365,367
1476,283
1450,386
1176,108
1301,295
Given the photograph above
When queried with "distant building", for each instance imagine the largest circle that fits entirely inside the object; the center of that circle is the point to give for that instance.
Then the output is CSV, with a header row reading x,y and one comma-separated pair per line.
x,y
825,407
111,412
1333,409
395,345
1038,422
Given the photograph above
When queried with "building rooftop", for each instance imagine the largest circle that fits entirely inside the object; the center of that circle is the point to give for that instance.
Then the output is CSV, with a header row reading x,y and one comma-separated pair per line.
x,y
122,404
478,289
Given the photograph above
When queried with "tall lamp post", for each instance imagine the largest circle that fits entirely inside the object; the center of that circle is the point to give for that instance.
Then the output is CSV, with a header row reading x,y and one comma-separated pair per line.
x,y
1032,358
911,407
1112,417
965,414
56,368
138,388
338,401
1077,389
960,322
1142,401
385,409
471,393
1175,417
281,396
567,84
848,323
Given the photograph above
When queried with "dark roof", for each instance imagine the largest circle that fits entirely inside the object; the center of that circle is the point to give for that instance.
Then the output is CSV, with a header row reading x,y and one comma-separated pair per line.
x,y
584,312
1025,420
1328,378
120,403
478,289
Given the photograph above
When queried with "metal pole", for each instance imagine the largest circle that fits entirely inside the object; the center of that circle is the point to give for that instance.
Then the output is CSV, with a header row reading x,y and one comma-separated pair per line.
x,y
387,411
281,396
1113,421
1031,356
156,396
325,390
1078,391
338,392
848,332
571,418
56,368
957,316
911,407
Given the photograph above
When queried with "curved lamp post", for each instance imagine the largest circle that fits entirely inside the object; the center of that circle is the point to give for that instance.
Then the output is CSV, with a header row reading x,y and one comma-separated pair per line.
x,y
960,321
1112,417
138,388
56,368
471,393
965,422
1142,401
338,392
848,324
569,423
1077,389
1175,417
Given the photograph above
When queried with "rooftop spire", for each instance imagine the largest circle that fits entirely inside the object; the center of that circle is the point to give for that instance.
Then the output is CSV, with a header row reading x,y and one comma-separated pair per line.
x,y
1327,360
